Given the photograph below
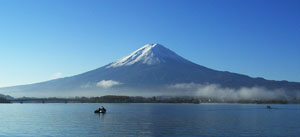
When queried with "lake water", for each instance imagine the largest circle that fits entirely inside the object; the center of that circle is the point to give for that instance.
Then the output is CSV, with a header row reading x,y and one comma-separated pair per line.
x,y
75,120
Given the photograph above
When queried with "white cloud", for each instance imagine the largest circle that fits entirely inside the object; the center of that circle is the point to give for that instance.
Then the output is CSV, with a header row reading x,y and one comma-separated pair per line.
x,y
56,76
217,92
184,86
108,83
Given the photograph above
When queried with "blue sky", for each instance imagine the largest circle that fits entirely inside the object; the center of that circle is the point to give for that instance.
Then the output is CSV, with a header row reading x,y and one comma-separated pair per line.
x,y
44,39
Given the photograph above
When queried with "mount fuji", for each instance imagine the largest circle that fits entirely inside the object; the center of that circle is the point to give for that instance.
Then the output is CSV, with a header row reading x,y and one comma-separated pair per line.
x,y
151,70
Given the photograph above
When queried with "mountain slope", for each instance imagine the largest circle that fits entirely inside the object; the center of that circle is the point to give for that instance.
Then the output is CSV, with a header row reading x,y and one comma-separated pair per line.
x,y
152,68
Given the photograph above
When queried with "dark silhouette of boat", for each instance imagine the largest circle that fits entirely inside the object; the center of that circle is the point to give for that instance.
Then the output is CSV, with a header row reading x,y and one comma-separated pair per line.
x,y
100,110
268,107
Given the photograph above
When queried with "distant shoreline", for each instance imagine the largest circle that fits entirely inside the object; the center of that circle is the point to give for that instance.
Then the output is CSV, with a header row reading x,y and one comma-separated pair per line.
x,y
154,99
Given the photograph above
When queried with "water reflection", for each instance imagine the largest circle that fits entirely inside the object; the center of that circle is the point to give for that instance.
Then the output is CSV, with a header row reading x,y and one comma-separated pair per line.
x,y
149,120
100,115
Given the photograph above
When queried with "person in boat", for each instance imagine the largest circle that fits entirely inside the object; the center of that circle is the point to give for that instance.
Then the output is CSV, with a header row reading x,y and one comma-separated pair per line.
x,y
102,108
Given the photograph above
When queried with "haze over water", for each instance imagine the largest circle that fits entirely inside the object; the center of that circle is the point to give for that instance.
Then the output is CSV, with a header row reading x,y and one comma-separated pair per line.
x,y
69,120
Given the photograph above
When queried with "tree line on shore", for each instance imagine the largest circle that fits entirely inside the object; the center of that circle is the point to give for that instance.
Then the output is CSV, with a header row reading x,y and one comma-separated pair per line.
x,y
4,100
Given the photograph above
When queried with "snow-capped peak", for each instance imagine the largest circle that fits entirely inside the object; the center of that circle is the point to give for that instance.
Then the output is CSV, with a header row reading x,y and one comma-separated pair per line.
x,y
149,54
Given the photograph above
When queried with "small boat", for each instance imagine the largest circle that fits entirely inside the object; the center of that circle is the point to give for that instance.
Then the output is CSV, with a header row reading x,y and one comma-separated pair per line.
x,y
268,107
100,111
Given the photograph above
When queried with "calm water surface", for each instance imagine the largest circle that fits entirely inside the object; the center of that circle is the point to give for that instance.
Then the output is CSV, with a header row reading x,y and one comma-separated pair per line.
x,y
75,120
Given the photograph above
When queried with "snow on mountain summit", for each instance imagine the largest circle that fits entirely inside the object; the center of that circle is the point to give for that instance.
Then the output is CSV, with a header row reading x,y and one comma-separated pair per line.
x,y
149,54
